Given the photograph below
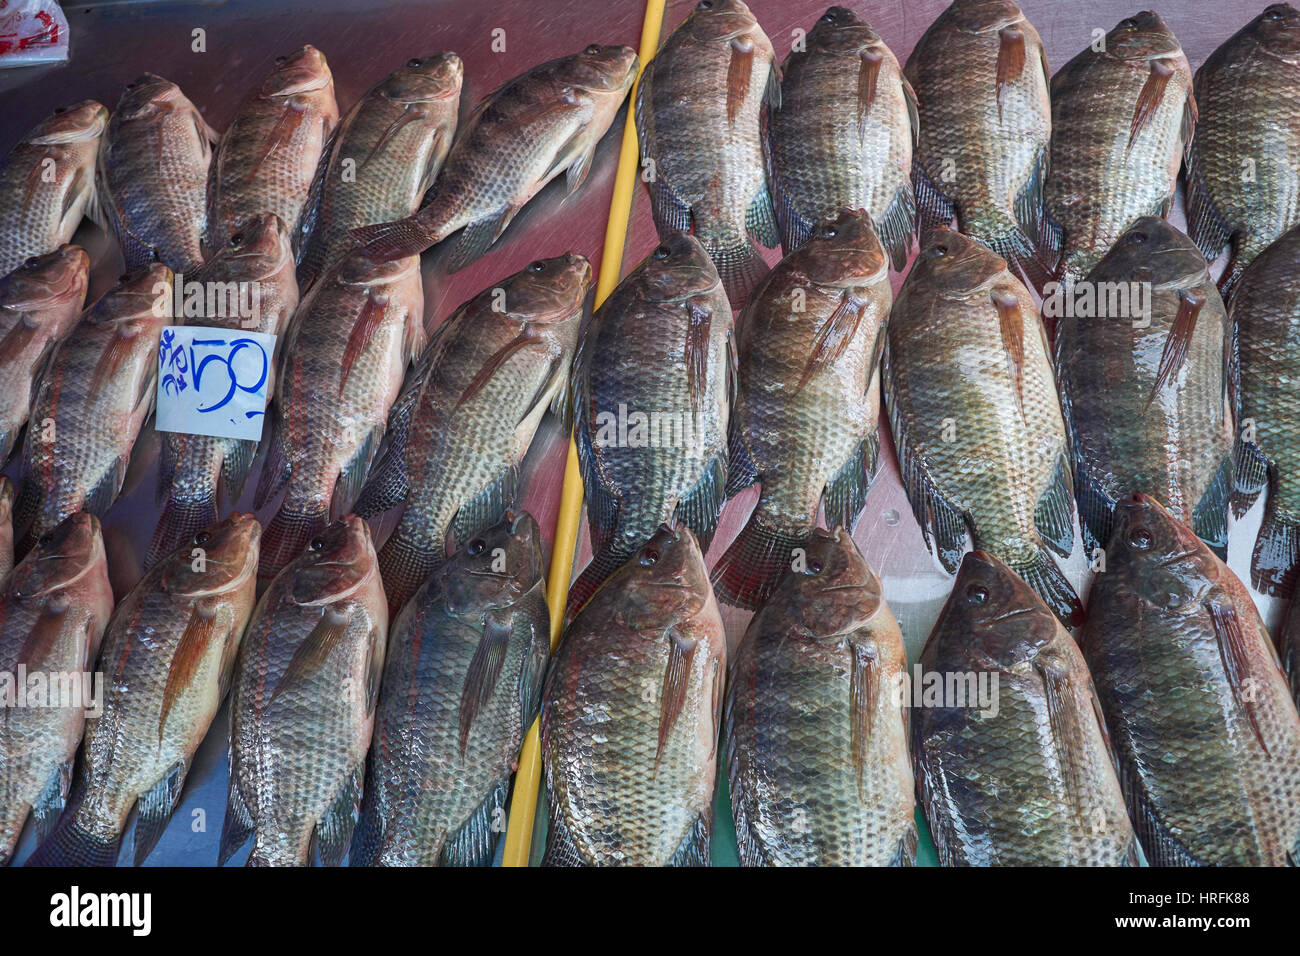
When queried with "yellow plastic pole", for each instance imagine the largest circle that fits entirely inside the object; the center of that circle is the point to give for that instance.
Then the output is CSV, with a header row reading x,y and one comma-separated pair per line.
x,y
523,806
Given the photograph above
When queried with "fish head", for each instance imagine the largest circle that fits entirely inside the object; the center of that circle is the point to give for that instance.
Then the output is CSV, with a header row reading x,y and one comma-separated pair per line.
x,y
302,71
496,567
79,123
1277,30
45,281
1154,250
984,16
336,564
845,251
214,560
719,20
60,558
1005,624
840,30
148,95
259,249
142,298
425,79
832,584
1143,36
664,580
599,69
357,270
955,264
1167,565
677,270
548,290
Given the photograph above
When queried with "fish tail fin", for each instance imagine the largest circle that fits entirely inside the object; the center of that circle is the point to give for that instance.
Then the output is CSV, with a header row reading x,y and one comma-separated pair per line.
x,y
1276,556
1050,583
285,537
603,563
386,241
739,262
748,571
180,520
72,845
404,565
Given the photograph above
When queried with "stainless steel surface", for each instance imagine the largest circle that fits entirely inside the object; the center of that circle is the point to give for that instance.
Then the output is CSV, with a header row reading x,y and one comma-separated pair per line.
x,y
113,42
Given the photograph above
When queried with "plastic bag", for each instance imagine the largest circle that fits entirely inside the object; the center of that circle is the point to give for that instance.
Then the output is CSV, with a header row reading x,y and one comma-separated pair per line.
x,y
32,32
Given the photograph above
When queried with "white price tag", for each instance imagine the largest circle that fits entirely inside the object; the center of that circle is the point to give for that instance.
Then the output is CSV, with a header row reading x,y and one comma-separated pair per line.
x,y
213,381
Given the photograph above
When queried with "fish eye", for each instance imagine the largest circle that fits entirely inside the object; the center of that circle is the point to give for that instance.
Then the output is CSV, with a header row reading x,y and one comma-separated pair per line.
x,y
317,544
704,5
1129,24
123,277
828,232
1273,13
46,539
815,566
661,252
1138,237
592,50
476,546
60,110
828,17
280,59
977,594
237,239
31,261
413,61
1139,538
537,266
938,250
648,557
202,537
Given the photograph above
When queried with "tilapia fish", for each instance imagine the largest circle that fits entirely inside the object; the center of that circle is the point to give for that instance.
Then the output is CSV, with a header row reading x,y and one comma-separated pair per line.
x,y
343,361
981,82
1243,187
303,703
6,527
520,136
385,156
1144,394
91,403
153,175
461,688
816,731
975,417
167,659
1012,759
267,158
1265,321
1121,119
1288,648
465,419
1206,735
698,109
842,136
804,424
53,611
651,384
47,183
255,270
40,302
647,658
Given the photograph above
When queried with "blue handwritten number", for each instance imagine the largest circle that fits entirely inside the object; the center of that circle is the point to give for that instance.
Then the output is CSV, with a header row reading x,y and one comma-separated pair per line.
x,y
226,361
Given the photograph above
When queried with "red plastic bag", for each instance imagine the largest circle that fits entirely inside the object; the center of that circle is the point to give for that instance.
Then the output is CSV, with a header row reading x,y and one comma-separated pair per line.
x,y
32,32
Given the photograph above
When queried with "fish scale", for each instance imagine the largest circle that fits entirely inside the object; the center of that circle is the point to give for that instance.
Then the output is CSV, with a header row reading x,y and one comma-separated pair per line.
x,y
1107,168
40,212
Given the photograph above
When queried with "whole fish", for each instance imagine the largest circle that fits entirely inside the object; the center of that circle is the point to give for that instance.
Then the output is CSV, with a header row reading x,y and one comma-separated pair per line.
x,y
167,659
91,403
469,412
343,360
1206,735
816,731
807,407
630,715
385,156
303,703
461,688
6,527
1143,386
1288,648
842,137
981,81
268,156
520,136
47,183
1121,119
1013,763
1242,187
698,109
658,353
153,175
40,303
975,416
53,611
256,269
